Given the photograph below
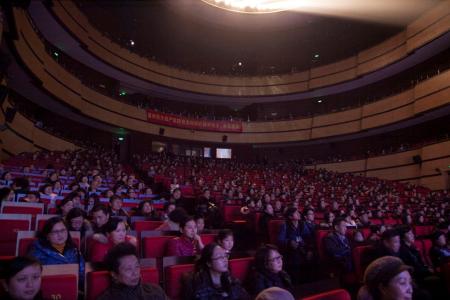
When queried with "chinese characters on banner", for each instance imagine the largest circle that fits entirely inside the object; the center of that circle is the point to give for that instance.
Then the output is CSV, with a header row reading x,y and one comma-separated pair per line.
x,y
195,124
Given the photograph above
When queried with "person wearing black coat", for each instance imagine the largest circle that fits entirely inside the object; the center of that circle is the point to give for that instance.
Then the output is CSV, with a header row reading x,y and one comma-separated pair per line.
x,y
269,270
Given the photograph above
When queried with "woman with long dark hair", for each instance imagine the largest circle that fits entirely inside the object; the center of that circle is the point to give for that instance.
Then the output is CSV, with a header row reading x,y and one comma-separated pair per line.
x,y
211,279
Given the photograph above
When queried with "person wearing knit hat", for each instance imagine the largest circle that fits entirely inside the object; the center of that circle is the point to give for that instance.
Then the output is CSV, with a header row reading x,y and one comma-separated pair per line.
x,y
274,293
387,278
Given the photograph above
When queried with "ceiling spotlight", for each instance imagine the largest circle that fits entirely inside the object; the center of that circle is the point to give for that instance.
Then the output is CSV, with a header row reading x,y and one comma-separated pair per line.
x,y
316,56
131,42
319,101
240,64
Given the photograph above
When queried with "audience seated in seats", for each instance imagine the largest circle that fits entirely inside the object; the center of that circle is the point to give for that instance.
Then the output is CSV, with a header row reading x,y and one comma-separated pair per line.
x,y
308,226
116,233
389,245
100,216
387,278
123,264
21,279
269,270
32,197
116,209
440,251
168,208
54,246
189,243
297,252
338,247
375,233
200,221
266,216
91,202
278,209
363,220
76,221
207,205
358,239
146,209
411,256
173,222
329,217
211,279
180,201
225,239
274,293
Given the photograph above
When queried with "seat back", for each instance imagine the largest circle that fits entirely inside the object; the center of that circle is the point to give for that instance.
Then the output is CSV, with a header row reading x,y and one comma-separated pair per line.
x,y
208,238
172,279
41,219
360,260
241,267
339,294
423,230
155,246
25,239
273,230
9,207
231,213
60,281
427,244
146,225
63,286
10,225
98,281
320,235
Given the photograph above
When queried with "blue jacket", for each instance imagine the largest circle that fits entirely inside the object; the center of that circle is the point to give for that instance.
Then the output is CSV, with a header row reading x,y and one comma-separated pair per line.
x,y
49,256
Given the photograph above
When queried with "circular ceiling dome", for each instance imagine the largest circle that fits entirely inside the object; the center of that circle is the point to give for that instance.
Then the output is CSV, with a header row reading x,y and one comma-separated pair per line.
x,y
255,6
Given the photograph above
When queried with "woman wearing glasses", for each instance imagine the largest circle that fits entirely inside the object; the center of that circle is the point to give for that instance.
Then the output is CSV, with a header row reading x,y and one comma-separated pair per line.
x,y
211,280
269,270
54,246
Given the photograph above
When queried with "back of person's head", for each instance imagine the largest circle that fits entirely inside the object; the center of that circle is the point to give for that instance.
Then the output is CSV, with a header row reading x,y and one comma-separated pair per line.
x,y
274,293
100,207
289,212
21,277
177,215
389,234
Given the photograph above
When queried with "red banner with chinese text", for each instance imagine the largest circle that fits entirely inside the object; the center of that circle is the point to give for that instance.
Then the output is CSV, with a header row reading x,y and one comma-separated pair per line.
x,y
190,123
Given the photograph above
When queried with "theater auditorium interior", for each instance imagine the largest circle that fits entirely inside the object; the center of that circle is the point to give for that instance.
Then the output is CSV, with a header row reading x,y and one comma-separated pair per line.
x,y
225,149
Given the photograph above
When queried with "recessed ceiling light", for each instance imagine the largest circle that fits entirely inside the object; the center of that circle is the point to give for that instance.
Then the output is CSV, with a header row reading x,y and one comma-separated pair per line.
x,y
255,6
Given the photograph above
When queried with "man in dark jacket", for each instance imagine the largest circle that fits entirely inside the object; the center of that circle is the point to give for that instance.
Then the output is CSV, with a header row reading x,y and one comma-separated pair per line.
x,y
337,247
126,284
411,255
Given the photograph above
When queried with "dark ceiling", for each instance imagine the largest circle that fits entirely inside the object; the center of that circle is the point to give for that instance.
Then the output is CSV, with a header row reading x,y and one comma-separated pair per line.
x,y
192,35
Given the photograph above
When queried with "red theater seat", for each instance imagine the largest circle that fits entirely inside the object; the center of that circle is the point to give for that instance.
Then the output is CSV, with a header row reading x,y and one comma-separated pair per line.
x,y
320,235
41,219
427,244
360,260
155,246
240,267
146,225
22,208
208,238
10,224
97,282
231,213
26,238
274,229
423,230
331,295
172,279
61,286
